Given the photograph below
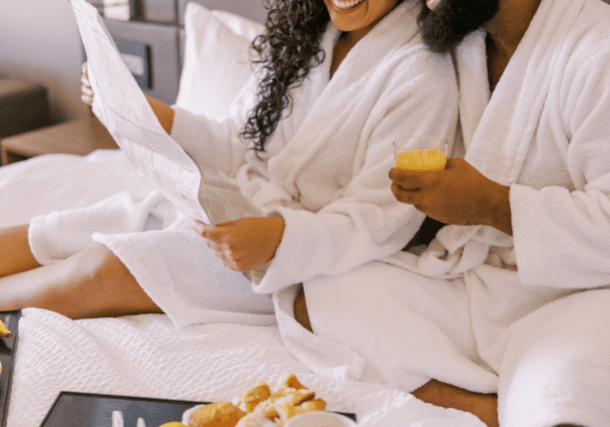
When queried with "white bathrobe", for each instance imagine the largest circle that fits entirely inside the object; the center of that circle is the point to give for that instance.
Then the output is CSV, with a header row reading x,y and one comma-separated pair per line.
x,y
324,171
480,309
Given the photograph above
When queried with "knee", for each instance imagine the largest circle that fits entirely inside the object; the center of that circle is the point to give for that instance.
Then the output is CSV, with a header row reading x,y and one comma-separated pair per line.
x,y
15,253
104,286
94,267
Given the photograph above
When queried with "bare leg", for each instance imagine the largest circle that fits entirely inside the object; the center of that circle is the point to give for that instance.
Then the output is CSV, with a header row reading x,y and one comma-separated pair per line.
x,y
484,406
15,253
300,311
92,283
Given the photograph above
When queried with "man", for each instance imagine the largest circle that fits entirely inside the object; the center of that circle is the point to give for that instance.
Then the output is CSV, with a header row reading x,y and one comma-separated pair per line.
x,y
511,298
528,208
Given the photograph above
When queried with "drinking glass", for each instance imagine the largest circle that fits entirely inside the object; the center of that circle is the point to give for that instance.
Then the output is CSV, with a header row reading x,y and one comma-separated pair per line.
x,y
421,153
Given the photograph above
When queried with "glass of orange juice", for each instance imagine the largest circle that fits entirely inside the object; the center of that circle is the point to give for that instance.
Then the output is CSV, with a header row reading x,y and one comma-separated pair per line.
x,y
421,153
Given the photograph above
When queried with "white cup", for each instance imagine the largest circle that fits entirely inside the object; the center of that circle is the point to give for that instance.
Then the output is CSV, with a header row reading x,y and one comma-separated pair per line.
x,y
320,419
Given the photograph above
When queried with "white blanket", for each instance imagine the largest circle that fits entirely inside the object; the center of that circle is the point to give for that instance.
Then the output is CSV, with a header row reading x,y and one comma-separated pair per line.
x,y
59,181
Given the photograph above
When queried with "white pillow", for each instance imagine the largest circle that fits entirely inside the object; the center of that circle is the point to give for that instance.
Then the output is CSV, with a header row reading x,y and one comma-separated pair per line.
x,y
216,60
239,25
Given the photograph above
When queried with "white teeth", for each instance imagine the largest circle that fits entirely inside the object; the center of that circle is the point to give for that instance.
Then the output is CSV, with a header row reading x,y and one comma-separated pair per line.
x,y
432,4
346,4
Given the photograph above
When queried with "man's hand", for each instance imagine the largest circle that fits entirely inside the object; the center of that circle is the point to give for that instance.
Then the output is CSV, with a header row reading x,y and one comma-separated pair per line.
x,y
460,195
246,243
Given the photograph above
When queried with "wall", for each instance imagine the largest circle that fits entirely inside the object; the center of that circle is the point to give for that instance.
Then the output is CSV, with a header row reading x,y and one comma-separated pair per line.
x,y
40,41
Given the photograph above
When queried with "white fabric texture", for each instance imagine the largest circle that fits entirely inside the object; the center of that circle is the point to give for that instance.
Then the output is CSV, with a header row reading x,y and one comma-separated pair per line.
x,y
56,182
148,356
479,309
216,60
216,294
547,116
241,26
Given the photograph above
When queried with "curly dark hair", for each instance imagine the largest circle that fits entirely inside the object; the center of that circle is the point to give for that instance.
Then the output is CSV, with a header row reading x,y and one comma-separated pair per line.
x,y
286,52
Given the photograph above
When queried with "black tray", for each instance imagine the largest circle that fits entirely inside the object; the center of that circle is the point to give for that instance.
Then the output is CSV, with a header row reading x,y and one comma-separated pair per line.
x,y
72,409
8,349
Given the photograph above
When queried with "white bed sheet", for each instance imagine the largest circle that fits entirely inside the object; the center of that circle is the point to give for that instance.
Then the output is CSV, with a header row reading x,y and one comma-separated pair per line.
x,y
146,355
62,181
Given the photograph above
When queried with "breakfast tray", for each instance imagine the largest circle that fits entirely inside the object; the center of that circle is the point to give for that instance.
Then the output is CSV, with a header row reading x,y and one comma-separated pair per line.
x,y
72,409
8,349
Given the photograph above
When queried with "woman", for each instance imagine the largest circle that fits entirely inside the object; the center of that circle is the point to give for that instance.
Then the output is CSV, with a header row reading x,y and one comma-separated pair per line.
x,y
312,154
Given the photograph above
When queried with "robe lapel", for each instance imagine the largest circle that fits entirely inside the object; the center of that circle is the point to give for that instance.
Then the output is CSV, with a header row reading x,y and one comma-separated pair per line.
x,y
333,107
508,125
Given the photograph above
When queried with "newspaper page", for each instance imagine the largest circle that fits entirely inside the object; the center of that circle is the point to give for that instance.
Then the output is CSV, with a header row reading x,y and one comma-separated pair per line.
x,y
121,106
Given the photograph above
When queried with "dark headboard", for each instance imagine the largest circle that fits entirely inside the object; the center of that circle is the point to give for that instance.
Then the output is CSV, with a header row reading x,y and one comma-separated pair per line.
x,y
252,9
156,32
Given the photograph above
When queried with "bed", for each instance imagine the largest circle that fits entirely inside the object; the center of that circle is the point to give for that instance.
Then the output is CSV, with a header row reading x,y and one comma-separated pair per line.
x,y
145,355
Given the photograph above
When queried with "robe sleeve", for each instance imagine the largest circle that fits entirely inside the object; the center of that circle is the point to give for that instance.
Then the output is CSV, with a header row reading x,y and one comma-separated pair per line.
x,y
562,236
211,143
367,222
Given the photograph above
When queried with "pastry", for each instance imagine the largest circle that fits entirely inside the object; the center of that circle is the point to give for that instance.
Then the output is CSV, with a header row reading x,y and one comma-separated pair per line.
x,y
249,398
258,407
220,414
286,410
293,382
5,333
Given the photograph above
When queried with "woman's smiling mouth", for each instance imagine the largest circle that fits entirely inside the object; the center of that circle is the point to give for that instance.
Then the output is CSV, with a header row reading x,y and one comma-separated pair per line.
x,y
347,4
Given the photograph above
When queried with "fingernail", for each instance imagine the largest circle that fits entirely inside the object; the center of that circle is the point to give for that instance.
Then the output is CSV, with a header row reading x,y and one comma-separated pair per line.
x,y
198,226
432,4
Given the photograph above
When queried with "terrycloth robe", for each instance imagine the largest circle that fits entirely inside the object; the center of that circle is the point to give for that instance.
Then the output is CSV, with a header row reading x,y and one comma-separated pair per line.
x,y
481,309
324,171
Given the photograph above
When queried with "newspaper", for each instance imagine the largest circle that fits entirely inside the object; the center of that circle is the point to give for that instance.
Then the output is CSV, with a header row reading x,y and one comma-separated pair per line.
x,y
121,106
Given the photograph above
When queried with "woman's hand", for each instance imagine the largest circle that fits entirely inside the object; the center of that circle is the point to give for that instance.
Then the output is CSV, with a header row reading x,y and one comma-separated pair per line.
x,y
86,90
164,113
460,195
246,243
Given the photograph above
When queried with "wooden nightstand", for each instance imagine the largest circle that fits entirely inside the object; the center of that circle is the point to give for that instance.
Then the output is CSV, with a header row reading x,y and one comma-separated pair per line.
x,y
24,106
81,137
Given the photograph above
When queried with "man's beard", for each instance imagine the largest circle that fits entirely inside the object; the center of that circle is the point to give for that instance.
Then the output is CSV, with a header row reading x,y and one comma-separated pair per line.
x,y
443,28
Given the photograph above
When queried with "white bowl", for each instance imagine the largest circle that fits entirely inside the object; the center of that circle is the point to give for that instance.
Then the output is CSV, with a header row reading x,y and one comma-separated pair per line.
x,y
320,419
